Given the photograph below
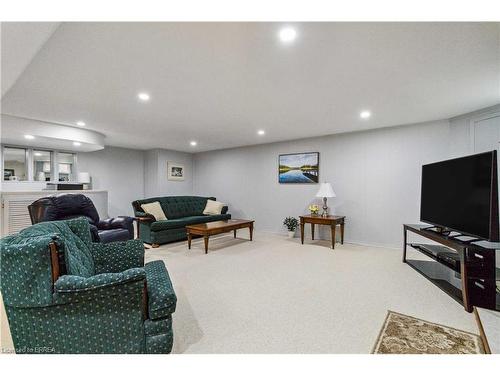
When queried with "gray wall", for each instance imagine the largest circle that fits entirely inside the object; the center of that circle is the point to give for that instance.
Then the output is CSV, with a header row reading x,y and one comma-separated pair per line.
x,y
155,173
375,174
120,171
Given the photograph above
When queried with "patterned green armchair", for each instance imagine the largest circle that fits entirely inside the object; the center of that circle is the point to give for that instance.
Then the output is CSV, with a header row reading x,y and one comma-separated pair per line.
x,y
64,293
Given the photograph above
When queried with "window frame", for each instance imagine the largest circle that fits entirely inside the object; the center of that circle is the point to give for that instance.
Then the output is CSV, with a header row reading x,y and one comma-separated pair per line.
x,y
51,153
26,163
29,152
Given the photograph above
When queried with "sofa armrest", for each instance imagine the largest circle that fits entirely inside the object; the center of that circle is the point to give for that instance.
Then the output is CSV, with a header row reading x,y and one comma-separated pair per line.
x,y
117,256
145,218
224,210
94,233
120,222
71,288
161,295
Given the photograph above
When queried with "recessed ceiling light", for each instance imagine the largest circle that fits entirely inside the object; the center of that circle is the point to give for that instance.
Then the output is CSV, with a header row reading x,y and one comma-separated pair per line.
x,y
29,136
38,154
365,114
80,123
193,143
144,96
77,144
261,132
287,34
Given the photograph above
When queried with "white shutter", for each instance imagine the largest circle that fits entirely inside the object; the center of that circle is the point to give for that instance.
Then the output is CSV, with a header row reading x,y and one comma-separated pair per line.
x,y
16,214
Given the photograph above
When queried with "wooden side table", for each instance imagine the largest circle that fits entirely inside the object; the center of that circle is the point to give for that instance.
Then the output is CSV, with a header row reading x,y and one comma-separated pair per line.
x,y
330,220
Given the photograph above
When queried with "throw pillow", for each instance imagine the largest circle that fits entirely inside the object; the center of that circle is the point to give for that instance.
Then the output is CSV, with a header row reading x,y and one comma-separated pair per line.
x,y
154,209
213,208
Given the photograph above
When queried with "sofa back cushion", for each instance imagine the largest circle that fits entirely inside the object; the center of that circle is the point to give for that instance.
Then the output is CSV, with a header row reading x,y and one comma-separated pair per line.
x,y
176,207
155,209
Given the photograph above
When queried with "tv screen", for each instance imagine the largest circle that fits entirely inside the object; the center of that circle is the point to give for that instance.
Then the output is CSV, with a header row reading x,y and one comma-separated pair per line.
x,y
462,195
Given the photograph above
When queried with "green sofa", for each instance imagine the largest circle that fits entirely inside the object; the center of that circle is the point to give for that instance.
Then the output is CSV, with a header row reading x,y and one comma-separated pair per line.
x,y
64,293
180,211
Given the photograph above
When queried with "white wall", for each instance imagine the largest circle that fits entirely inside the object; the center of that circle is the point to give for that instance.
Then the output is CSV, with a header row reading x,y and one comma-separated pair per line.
x,y
375,174
462,140
155,173
120,171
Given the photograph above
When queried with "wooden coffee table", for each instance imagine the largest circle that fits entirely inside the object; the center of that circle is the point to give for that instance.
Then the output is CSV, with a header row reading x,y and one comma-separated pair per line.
x,y
331,220
216,227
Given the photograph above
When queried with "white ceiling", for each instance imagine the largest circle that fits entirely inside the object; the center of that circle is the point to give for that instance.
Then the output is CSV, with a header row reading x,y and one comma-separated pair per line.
x,y
20,42
218,83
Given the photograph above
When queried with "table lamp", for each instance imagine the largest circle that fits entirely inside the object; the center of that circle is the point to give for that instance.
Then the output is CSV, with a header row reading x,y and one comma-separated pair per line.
x,y
325,191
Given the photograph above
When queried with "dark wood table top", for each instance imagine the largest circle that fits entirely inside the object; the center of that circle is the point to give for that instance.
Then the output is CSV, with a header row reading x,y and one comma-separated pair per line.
x,y
216,226
329,218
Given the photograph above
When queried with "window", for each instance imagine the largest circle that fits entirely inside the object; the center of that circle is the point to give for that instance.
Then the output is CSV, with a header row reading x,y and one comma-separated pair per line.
x,y
14,164
36,165
66,165
42,165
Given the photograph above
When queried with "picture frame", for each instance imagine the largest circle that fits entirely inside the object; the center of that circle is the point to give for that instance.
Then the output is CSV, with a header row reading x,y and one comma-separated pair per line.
x,y
298,168
175,171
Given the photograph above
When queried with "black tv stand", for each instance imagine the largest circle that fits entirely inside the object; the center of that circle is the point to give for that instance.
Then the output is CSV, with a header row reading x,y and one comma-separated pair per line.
x,y
436,229
461,268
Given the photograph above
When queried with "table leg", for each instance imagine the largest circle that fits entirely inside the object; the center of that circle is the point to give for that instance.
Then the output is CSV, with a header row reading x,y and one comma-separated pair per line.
x,y
312,231
342,233
234,233
251,232
404,244
189,240
333,235
465,285
206,243
302,231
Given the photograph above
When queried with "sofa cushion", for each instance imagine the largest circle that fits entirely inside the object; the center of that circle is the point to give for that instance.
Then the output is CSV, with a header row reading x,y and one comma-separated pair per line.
x,y
176,223
188,220
161,296
155,209
209,218
213,208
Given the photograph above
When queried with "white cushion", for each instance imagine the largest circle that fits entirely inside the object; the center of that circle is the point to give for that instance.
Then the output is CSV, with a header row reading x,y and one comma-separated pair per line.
x,y
213,208
154,209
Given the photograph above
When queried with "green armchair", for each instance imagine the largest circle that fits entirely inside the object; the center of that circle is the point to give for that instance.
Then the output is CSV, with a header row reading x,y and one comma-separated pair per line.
x,y
64,293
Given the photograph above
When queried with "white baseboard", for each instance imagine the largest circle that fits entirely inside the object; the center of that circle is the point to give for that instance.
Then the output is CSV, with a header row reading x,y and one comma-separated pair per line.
x,y
367,244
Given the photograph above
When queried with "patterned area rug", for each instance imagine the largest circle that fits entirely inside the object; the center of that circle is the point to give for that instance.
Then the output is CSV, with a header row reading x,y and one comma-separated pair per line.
x,y
403,334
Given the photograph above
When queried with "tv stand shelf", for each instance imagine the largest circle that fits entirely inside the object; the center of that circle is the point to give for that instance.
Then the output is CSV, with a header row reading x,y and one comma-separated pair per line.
x,y
464,270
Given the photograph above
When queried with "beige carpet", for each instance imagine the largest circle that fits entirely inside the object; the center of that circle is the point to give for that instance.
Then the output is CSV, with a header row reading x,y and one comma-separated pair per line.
x,y
274,295
403,334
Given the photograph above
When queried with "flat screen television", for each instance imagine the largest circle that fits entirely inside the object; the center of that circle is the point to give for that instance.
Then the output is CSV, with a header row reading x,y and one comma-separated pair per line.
x,y
462,195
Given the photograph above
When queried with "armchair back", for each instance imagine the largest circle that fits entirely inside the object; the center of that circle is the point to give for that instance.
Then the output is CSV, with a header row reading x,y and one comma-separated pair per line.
x,y
62,207
27,261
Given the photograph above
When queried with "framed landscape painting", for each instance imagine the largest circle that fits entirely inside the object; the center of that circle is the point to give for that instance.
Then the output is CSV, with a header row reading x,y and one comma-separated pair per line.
x,y
302,168
175,172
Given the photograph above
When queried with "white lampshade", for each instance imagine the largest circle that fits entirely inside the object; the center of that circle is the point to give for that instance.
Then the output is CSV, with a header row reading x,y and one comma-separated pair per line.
x,y
325,190
84,177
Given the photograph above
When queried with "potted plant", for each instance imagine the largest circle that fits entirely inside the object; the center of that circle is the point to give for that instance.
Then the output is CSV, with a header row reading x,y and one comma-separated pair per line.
x,y
291,224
